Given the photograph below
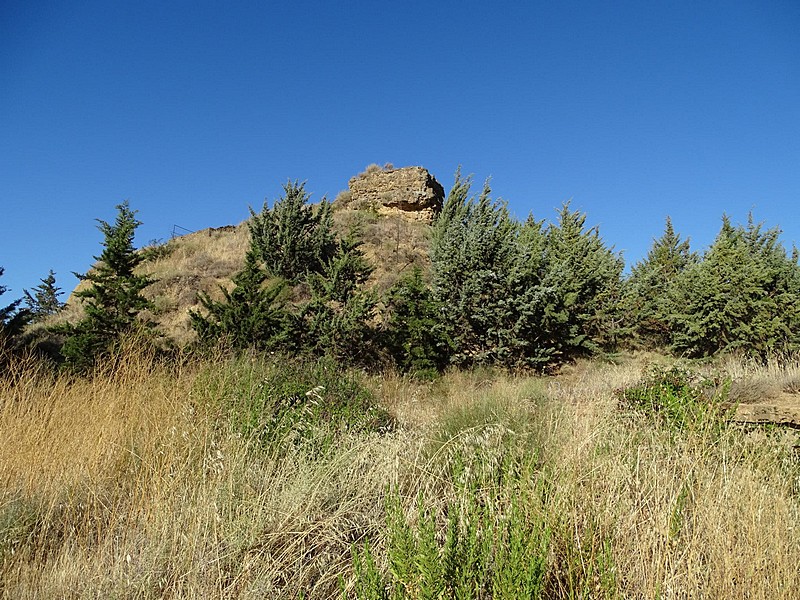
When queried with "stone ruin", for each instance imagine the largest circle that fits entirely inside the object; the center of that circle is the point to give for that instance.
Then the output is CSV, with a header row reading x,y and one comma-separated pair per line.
x,y
411,192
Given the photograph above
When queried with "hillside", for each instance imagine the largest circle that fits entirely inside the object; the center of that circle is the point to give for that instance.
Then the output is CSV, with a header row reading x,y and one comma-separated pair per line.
x,y
389,209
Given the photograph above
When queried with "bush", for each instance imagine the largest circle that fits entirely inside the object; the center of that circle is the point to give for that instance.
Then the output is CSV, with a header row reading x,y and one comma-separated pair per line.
x,y
414,336
294,403
293,238
679,399
479,555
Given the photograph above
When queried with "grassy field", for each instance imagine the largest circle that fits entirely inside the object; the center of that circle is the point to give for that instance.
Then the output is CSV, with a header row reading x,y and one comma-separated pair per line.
x,y
257,478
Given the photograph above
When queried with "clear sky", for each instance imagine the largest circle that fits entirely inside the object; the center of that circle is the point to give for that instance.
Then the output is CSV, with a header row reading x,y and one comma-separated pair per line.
x,y
194,111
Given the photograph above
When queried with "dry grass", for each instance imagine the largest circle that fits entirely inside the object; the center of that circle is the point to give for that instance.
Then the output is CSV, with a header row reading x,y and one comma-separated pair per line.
x,y
392,244
198,262
755,381
130,484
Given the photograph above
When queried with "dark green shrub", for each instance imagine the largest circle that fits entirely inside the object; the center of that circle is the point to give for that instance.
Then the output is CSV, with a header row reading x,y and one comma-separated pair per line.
x,y
678,399
581,289
521,296
472,253
300,291
336,320
415,336
293,238
250,316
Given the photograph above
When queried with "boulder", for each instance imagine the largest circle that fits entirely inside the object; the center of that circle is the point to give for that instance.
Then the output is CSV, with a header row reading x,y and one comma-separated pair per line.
x,y
410,191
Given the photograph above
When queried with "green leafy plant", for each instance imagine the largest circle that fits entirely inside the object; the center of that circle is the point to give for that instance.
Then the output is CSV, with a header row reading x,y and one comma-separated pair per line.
x,y
522,295
582,277
679,400
336,321
475,553
472,251
286,402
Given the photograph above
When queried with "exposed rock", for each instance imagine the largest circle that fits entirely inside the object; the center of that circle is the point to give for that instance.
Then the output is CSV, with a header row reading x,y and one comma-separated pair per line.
x,y
411,192
784,410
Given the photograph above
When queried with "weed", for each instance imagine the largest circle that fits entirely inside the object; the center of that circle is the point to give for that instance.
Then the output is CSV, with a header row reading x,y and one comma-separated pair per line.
x,y
296,403
476,551
678,399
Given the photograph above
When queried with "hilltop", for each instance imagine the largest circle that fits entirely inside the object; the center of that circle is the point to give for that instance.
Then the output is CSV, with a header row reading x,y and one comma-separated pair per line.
x,y
390,210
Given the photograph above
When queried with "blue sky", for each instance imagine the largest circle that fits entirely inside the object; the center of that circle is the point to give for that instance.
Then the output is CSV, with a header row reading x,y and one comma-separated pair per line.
x,y
194,111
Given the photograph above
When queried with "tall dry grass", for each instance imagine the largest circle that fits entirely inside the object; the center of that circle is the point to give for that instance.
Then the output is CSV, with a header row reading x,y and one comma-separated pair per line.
x,y
131,483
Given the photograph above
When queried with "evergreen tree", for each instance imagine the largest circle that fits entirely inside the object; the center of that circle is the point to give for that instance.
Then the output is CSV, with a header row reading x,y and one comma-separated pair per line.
x,y
473,252
12,321
528,298
325,310
522,295
414,333
293,239
113,299
251,315
652,289
743,296
44,301
335,322
582,284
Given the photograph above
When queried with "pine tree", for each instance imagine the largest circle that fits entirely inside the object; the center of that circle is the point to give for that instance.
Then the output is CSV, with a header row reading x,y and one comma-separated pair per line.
x,y
293,239
7,312
582,284
527,300
743,296
279,302
251,315
472,253
12,321
653,287
44,302
113,300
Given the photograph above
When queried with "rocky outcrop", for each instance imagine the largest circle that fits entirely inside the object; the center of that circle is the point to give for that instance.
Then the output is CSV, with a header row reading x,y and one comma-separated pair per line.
x,y
411,192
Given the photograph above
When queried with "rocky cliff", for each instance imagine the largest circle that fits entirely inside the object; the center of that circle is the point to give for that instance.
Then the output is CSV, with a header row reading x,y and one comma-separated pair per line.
x,y
411,192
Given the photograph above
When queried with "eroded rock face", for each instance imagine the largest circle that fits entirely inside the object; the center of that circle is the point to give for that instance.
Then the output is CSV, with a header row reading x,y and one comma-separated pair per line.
x,y
411,192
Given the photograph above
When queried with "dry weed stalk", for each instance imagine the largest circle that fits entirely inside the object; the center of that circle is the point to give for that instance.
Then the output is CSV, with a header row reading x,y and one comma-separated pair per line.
x,y
129,483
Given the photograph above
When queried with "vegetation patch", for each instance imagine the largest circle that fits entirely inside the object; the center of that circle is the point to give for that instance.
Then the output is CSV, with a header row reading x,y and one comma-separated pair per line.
x,y
679,399
284,402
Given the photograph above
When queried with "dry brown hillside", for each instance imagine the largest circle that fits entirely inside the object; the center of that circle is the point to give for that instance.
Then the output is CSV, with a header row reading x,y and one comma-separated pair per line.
x,y
390,209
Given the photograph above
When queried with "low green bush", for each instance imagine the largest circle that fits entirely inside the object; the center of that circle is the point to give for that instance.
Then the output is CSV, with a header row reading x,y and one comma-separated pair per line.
x,y
479,554
294,402
679,399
